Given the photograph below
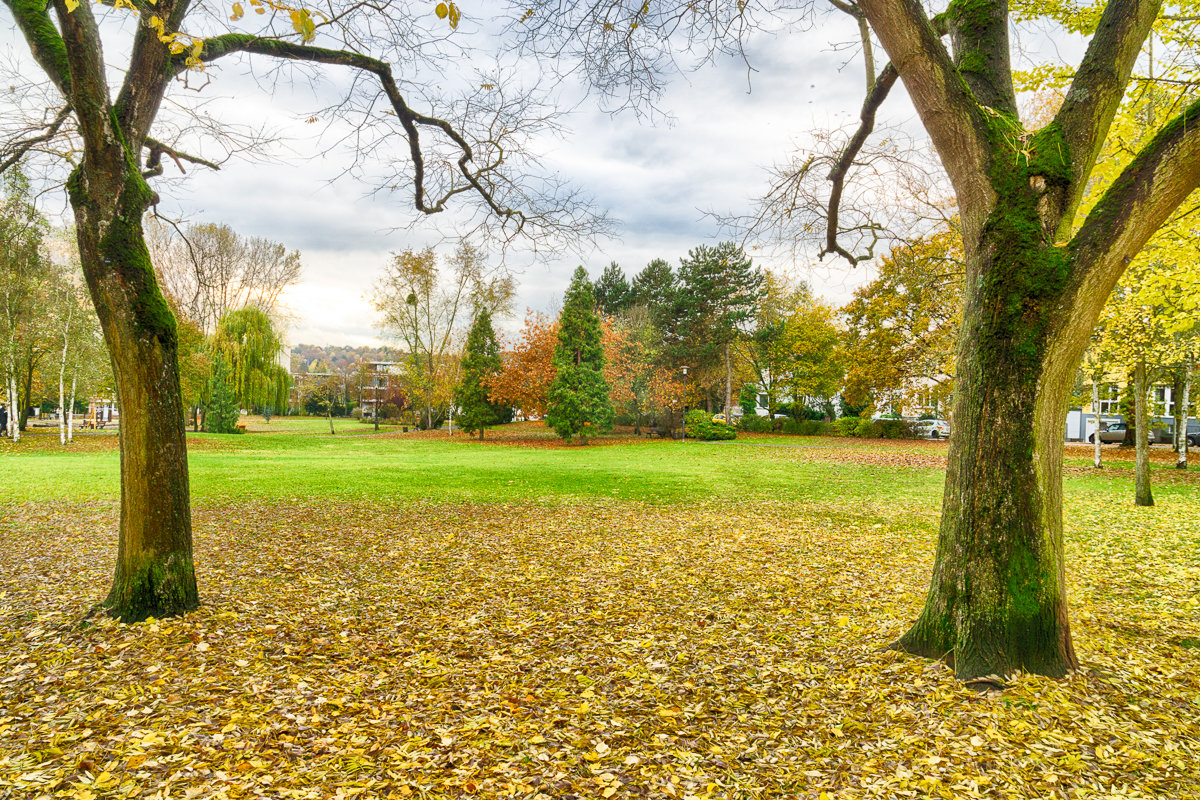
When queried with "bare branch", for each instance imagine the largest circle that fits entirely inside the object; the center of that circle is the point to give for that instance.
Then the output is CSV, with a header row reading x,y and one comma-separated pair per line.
x,y
837,176
157,149
950,114
17,150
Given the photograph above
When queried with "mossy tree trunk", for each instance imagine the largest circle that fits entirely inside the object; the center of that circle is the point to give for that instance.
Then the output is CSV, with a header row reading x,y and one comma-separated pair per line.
x,y
997,599
1142,494
997,602
109,196
154,575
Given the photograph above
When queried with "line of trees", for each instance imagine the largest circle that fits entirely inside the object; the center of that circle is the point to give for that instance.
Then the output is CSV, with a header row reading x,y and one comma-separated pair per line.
x,y
51,353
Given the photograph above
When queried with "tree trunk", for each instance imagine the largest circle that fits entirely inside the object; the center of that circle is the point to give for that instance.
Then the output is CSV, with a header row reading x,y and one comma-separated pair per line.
x,y
1096,413
70,413
329,416
1142,493
26,398
1177,410
14,404
154,574
728,383
997,600
1182,406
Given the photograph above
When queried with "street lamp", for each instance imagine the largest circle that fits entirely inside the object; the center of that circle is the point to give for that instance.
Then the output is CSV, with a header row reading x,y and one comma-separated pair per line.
x,y
683,434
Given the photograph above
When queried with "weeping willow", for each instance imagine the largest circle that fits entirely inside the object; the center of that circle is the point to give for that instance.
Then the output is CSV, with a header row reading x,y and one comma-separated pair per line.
x,y
251,346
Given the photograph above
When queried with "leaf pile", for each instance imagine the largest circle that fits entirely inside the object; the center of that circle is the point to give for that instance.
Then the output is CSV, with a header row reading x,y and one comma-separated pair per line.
x,y
601,650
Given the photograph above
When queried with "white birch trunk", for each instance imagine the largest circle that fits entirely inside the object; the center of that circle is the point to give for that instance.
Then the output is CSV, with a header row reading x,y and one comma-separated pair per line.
x,y
1096,413
1181,431
14,411
70,413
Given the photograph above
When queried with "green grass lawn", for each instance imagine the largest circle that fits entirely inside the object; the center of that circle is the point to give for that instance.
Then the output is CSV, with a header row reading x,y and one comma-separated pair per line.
x,y
425,616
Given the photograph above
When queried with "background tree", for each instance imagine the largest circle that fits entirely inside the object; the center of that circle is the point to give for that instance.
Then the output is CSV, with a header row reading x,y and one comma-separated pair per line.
x,y
578,403
221,408
249,343
614,294
810,355
718,295
903,325
324,393
211,269
27,293
420,306
524,379
765,352
480,361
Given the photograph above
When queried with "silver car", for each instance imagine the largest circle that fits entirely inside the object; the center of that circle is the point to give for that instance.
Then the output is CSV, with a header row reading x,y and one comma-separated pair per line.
x,y
932,428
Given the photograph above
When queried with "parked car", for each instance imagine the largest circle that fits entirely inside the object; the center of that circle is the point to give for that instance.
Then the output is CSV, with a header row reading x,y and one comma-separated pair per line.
x,y
1114,432
932,428
1167,434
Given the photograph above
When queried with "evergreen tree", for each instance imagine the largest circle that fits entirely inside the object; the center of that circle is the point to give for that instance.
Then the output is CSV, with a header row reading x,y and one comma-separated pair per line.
x,y
613,292
719,293
481,360
655,288
579,402
221,412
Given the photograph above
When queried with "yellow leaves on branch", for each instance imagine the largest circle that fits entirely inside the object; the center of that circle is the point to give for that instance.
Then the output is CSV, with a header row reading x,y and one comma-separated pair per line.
x,y
448,12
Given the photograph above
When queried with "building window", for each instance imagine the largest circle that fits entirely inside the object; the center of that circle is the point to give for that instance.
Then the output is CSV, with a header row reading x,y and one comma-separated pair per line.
x,y
1163,403
1110,398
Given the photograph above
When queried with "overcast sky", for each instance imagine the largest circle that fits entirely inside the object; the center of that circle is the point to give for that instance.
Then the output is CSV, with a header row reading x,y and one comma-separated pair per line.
x,y
657,180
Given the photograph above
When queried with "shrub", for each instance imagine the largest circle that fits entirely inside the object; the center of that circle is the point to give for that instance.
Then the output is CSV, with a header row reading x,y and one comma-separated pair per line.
x,y
756,424
846,426
896,429
866,429
701,426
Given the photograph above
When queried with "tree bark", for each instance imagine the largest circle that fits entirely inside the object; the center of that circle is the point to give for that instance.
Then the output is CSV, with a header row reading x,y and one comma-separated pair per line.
x,y
997,601
1142,494
1096,413
154,574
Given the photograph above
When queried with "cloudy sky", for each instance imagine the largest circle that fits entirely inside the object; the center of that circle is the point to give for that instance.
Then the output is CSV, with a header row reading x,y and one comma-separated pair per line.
x,y
657,179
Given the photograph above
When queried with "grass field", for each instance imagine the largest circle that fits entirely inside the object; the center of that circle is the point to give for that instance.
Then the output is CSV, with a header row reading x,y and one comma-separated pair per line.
x,y
417,615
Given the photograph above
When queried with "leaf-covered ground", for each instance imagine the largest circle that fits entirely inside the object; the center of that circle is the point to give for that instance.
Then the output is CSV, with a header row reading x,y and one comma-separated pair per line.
x,y
586,649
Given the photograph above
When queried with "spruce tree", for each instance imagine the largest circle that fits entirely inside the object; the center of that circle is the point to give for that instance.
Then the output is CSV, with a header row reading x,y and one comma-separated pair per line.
x,y
578,402
221,412
481,360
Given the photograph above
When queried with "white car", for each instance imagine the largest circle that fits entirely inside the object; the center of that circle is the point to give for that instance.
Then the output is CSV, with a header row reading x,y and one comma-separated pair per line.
x,y
932,428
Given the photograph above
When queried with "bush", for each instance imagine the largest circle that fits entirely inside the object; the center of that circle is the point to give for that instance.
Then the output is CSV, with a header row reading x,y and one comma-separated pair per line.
x,y
866,429
701,426
896,429
846,426
756,424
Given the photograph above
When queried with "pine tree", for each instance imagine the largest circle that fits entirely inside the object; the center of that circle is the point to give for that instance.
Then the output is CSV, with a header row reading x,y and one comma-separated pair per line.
x,y
613,292
579,403
481,360
221,412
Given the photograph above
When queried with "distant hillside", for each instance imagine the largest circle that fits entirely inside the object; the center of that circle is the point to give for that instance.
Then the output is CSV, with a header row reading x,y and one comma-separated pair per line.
x,y
305,356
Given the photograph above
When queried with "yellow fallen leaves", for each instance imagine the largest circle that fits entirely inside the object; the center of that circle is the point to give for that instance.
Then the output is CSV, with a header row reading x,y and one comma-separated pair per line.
x,y
609,650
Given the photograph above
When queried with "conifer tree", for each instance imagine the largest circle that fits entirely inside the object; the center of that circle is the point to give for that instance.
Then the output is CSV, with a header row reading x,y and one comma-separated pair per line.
x,y
221,412
579,403
480,362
